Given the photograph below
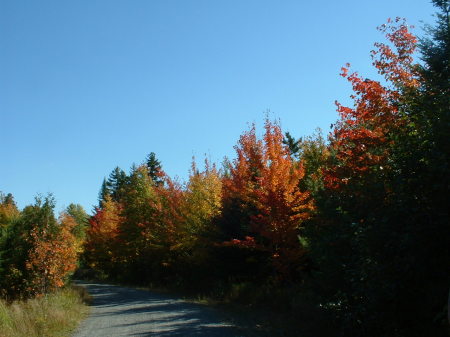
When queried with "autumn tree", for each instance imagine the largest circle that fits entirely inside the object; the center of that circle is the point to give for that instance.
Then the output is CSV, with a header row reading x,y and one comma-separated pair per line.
x,y
203,201
264,188
40,252
198,207
283,206
38,218
239,201
52,256
8,210
149,225
101,242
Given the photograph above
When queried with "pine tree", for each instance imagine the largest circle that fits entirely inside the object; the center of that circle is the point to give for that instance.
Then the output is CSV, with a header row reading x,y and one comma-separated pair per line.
x,y
116,183
154,168
292,144
103,193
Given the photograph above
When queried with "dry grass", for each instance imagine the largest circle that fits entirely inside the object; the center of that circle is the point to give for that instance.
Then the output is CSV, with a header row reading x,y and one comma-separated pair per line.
x,y
56,314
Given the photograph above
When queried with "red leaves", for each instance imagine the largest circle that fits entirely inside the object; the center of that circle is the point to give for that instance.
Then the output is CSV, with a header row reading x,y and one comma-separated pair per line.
x,y
361,137
248,242
396,65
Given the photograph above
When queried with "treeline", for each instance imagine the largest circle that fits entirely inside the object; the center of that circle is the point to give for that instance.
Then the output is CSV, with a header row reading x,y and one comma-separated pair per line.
x,y
358,224
234,224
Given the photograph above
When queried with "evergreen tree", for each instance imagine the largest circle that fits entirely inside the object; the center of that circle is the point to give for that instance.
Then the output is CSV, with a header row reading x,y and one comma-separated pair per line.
x,y
292,144
154,168
116,183
9,215
103,193
419,220
383,240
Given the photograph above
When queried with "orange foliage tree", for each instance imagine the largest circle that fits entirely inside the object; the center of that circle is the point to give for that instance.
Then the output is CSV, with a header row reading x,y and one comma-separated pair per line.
x,y
361,138
265,180
52,256
102,234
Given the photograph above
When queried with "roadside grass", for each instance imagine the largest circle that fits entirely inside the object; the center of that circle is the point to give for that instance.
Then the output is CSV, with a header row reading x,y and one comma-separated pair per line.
x,y
52,315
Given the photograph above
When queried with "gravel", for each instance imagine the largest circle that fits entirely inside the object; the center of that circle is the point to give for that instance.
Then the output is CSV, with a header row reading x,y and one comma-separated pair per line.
x,y
119,311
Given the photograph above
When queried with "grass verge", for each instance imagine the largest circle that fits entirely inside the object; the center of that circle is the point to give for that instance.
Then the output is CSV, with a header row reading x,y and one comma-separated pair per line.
x,y
56,314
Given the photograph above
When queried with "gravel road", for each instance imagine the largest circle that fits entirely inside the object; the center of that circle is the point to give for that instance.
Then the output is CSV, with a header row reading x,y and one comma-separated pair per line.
x,y
121,312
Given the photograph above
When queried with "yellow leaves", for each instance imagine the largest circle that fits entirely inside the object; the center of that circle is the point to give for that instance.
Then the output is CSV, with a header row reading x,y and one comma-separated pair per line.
x,y
8,212
201,202
204,194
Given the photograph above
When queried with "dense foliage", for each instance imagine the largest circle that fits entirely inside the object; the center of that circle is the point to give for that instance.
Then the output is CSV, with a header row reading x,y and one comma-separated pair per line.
x,y
357,224
37,252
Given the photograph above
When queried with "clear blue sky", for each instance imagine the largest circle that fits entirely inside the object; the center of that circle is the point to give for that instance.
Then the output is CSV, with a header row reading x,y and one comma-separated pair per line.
x,y
89,85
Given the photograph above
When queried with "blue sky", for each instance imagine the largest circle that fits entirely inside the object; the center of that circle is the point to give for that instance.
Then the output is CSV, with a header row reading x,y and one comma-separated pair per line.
x,y
89,85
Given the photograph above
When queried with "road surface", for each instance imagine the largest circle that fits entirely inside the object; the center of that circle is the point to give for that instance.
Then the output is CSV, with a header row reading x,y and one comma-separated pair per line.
x,y
122,312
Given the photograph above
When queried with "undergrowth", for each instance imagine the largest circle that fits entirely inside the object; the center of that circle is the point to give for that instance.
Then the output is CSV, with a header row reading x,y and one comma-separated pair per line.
x,y
51,315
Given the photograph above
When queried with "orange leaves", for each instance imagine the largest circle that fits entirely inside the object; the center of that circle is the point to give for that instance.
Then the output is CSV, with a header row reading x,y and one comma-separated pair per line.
x,y
362,135
104,224
246,168
169,214
52,257
396,65
248,242
344,70
266,179
256,203
102,234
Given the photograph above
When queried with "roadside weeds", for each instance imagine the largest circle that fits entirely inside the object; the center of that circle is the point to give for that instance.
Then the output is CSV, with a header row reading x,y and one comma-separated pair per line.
x,y
51,315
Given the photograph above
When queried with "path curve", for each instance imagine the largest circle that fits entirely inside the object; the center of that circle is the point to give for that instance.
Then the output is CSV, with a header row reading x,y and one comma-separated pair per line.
x,y
122,312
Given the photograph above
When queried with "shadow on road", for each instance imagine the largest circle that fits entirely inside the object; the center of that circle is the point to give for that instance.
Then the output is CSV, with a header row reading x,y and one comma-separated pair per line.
x,y
120,311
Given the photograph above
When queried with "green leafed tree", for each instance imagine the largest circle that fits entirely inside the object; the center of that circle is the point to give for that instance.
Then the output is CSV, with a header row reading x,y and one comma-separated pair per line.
x,y
81,218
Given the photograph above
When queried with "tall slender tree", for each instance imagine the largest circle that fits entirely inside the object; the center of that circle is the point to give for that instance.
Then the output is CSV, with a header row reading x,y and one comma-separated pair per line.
x,y
154,169
116,183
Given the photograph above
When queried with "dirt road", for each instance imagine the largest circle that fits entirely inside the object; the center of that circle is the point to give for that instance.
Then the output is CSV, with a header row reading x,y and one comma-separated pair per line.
x,y
121,312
